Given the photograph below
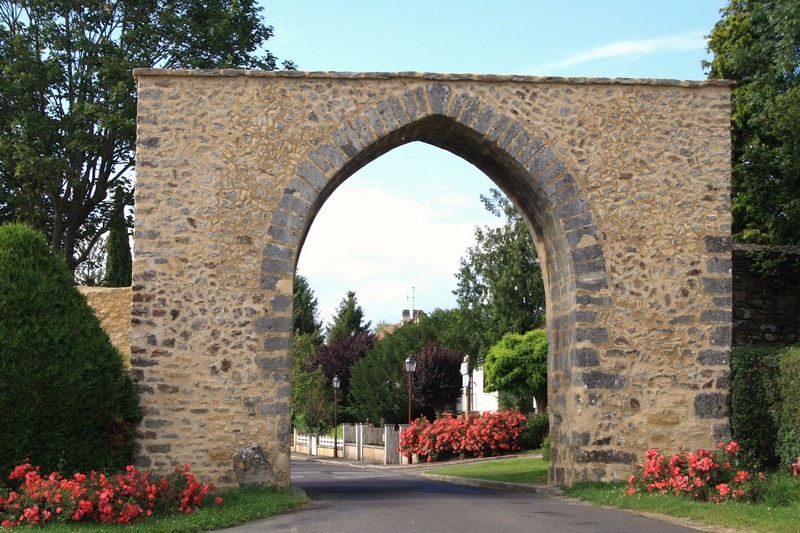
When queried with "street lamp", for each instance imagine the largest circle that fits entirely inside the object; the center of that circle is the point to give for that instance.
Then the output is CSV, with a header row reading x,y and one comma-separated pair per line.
x,y
410,366
336,384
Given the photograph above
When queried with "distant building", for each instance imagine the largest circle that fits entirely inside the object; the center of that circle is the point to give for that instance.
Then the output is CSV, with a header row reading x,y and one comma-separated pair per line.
x,y
480,401
388,330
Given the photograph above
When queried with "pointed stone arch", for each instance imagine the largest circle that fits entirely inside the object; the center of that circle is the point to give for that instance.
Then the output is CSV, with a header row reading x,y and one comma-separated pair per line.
x,y
280,144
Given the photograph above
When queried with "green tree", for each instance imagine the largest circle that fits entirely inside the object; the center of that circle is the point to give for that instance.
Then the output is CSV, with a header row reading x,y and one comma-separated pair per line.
x,y
66,399
378,387
517,368
305,310
119,265
756,44
67,98
500,288
312,398
349,319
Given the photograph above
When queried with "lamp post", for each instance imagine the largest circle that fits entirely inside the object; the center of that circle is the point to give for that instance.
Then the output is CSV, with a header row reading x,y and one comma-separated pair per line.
x,y
410,366
336,384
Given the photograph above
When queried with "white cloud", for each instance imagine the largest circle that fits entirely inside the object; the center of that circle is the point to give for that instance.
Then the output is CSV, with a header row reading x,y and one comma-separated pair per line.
x,y
381,245
631,49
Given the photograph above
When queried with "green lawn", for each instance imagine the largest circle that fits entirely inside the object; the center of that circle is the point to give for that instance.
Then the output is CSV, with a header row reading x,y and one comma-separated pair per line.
x,y
240,506
518,470
780,517
778,512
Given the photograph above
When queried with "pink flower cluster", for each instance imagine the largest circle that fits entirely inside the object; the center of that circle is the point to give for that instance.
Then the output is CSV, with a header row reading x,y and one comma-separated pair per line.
x,y
117,499
796,467
475,435
708,475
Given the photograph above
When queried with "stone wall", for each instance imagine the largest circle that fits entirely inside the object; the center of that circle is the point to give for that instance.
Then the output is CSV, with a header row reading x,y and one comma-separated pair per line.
x,y
113,307
766,309
625,185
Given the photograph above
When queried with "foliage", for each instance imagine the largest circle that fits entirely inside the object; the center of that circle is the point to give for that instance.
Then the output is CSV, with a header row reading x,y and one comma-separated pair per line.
x,y
788,445
474,435
338,356
755,399
378,387
311,390
536,429
305,310
65,397
117,499
437,379
119,266
500,288
349,319
709,475
68,98
755,44
517,366
779,516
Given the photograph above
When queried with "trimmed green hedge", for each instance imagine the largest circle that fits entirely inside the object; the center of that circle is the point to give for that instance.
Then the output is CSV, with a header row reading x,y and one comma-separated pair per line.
x,y
66,399
788,445
755,399
765,403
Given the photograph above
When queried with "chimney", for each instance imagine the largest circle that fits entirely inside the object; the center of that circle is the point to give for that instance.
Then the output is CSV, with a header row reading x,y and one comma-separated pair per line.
x,y
406,315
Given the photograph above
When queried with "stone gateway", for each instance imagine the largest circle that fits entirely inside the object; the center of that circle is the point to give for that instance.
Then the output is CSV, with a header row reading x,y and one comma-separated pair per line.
x,y
625,185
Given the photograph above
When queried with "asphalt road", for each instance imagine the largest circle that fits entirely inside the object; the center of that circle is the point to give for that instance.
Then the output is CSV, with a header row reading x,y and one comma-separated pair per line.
x,y
353,499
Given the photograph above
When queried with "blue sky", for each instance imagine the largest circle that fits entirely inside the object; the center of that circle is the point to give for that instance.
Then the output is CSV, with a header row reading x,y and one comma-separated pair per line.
x,y
404,221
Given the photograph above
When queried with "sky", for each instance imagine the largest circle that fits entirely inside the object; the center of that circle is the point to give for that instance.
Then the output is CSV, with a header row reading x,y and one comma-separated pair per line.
x,y
396,230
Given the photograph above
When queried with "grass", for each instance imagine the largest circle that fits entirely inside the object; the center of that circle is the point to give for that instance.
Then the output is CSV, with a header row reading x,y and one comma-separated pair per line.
x,y
240,506
778,512
518,470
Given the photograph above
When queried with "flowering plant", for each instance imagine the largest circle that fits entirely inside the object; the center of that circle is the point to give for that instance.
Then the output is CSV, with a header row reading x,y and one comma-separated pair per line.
x,y
473,435
708,475
117,499
796,467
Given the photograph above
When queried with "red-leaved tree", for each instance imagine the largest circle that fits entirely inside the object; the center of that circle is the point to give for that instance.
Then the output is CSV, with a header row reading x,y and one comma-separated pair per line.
x,y
336,358
437,378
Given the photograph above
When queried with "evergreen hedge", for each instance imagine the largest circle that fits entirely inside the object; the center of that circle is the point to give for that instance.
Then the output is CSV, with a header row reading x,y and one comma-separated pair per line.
x,y
66,399
755,400
765,403
788,445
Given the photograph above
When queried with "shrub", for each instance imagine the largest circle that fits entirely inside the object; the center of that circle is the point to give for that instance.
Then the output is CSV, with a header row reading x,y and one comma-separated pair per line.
x,y
469,436
709,475
536,429
788,445
117,499
66,400
755,400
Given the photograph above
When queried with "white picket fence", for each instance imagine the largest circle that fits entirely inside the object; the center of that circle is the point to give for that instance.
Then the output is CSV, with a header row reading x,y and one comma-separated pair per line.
x,y
359,442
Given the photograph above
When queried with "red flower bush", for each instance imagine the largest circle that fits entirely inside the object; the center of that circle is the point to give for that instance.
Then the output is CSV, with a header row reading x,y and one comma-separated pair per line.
x,y
117,499
708,475
470,436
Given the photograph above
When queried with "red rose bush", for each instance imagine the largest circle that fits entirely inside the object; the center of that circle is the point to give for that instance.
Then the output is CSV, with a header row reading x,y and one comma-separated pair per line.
x,y
708,475
475,435
117,499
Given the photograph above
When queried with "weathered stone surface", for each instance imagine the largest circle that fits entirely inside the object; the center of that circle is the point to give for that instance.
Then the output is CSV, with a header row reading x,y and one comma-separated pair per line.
x,y
252,467
236,165
113,308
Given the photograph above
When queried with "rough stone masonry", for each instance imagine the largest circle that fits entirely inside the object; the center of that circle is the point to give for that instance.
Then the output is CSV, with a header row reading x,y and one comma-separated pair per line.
x,y
625,185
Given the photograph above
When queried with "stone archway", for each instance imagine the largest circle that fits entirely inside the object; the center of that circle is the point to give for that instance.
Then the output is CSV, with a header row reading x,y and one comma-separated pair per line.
x,y
624,183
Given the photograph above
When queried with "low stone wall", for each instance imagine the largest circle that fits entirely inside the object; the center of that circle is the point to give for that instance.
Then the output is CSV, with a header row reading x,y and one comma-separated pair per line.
x,y
765,309
113,307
